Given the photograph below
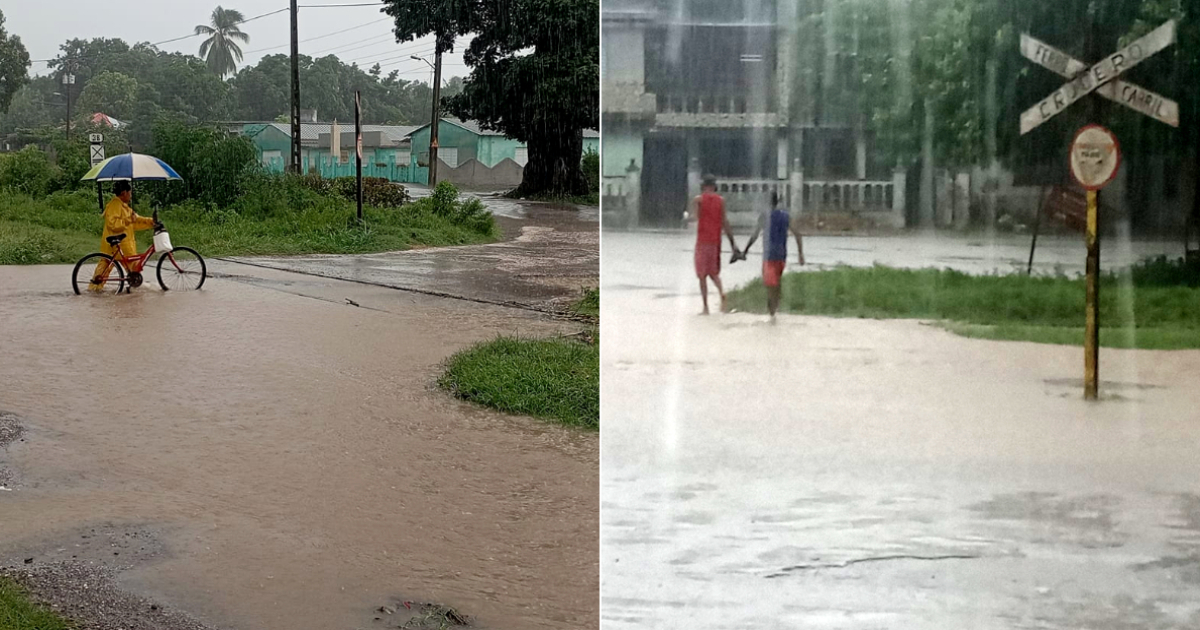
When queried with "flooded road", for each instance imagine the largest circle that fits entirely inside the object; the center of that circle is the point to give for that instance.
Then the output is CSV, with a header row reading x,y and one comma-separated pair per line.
x,y
549,253
857,474
269,456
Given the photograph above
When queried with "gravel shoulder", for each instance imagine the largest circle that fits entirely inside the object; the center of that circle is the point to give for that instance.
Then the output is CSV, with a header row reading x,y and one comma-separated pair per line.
x,y
88,596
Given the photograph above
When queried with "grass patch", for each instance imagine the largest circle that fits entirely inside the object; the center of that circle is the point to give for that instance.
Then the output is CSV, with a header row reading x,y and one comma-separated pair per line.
x,y
590,199
1137,311
64,227
589,304
17,612
1121,338
555,379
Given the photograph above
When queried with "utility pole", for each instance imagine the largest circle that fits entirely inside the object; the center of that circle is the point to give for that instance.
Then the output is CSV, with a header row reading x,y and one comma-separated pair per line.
x,y
295,158
437,116
358,151
68,80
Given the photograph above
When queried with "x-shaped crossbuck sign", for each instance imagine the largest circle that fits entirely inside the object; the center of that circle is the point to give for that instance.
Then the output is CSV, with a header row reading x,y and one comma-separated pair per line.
x,y
1102,78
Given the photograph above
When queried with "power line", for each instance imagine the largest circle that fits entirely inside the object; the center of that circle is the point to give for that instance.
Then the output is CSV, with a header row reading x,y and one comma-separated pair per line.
x,y
410,50
251,19
327,6
399,59
366,43
345,30
174,39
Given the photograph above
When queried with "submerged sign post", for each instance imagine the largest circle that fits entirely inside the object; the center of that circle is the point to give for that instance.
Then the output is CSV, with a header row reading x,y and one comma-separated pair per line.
x,y
1095,159
1095,155
96,141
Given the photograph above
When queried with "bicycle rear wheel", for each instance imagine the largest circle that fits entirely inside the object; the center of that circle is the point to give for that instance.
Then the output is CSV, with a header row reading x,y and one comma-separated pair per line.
x,y
181,269
91,278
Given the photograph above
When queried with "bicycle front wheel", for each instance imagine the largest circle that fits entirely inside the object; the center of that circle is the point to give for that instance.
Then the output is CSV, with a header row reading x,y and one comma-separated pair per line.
x,y
96,274
181,269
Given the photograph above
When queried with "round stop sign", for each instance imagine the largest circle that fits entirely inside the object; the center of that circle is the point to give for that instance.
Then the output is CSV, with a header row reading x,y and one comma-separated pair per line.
x,y
1095,157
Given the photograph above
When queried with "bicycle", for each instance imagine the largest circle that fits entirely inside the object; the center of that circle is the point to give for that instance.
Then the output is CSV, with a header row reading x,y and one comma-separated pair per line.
x,y
179,268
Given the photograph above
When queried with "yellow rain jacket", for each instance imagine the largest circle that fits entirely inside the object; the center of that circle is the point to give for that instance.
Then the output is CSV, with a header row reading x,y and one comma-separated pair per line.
x,y
119,218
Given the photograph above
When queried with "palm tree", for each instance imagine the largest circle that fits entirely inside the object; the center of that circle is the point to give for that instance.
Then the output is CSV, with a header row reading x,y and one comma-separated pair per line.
x,y
221,50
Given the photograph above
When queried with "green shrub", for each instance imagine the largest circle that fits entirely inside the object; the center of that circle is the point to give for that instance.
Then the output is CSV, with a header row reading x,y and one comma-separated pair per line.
x,y
377,191
444,199
28,171
1165,272
470,213
215,167
591,169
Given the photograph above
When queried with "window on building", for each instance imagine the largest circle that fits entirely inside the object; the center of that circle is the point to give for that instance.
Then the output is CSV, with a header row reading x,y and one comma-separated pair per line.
x,y
717,11
522,156
449,155
403,158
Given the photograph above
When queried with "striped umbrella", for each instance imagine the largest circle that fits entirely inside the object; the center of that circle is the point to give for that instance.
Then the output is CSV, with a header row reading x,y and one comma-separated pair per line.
x,y
131,167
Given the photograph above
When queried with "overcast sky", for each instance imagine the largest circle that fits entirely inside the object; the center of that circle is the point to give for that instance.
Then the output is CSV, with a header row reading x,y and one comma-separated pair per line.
x,y
44,25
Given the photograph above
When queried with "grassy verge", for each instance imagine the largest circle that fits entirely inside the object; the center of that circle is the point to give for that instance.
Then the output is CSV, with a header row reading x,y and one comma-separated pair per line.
x,y
555,379
589,304
1135,313
18,613
64,227
590,199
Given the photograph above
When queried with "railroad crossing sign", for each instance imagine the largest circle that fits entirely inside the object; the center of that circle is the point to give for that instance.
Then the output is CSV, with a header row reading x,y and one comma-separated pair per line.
x,y
97,154
1095,157
1102,77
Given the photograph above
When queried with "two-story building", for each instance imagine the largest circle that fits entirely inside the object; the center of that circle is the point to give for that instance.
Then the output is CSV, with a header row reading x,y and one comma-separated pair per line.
x,y
735,88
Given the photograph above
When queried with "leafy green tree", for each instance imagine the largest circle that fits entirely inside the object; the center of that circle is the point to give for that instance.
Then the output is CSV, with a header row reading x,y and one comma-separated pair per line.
x,y
14,66
110,93
535,75
33,106
221,49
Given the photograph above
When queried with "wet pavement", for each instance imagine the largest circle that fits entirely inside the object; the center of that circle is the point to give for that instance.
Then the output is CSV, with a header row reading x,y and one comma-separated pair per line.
x,y
264,454
548,255
857,474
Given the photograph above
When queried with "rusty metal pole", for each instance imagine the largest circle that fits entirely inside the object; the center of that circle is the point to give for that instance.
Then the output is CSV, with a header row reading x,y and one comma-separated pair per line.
x,y
294,160
1091,339
436,118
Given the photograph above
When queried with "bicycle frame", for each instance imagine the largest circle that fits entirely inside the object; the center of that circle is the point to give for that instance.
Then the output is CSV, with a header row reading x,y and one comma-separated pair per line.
x,y
134,264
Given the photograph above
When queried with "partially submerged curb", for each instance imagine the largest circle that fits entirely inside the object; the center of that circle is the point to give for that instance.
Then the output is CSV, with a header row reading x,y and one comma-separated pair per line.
x,y
87,596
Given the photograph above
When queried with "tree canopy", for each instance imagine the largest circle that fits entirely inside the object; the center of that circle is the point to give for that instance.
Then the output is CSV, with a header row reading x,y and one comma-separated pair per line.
x,y
139,83
14,66
221,50
535,75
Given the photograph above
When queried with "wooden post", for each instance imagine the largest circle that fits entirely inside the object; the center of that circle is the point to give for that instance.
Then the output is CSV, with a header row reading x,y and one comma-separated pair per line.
x,y
1091,340
294,161
437,115
358,150
1037,227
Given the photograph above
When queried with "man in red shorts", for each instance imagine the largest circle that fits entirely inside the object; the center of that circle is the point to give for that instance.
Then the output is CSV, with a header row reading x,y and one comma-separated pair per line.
x,y
708,209
775,224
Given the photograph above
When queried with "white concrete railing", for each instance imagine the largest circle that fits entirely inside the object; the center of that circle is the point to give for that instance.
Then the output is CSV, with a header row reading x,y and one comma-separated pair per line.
x,y
614,186
848,196
673,103
751,195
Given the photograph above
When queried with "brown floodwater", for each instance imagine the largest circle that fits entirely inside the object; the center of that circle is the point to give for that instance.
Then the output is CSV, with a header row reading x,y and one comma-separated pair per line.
x,y
290,457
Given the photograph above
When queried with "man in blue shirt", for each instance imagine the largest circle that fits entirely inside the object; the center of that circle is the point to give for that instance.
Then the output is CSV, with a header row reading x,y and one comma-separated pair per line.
x,y
775,224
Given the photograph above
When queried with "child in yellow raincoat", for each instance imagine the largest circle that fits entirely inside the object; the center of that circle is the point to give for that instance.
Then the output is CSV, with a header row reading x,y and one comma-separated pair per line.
x,y
119,218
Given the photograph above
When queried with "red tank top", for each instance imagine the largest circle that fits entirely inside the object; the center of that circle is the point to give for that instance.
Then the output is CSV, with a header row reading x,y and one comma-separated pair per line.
x,y
712,219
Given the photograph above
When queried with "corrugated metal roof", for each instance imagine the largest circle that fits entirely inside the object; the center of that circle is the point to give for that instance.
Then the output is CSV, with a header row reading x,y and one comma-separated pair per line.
x,y
310,132
474,128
